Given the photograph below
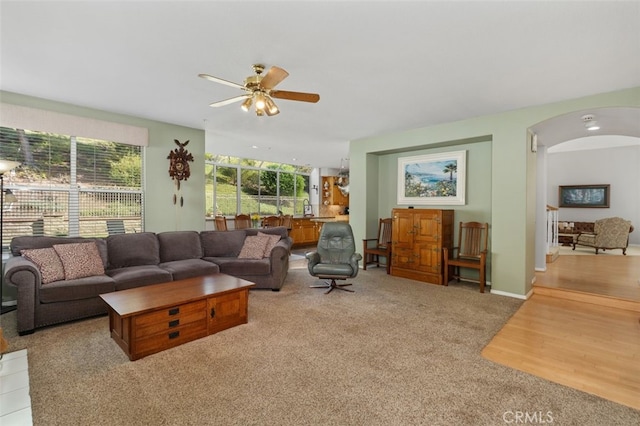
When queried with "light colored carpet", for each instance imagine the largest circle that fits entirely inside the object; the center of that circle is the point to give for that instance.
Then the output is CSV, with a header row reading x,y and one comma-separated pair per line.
x,y
396,352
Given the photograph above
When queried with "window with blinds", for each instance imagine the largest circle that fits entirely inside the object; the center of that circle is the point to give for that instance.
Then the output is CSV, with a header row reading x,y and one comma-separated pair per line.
x,y
68,185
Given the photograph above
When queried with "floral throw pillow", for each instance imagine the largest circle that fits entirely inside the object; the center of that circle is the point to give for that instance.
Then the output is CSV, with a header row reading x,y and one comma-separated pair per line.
x,y
47,261
80,260
253,247
271,243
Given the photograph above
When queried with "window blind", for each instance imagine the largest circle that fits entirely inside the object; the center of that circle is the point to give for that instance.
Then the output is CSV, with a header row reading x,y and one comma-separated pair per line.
x,y
68,185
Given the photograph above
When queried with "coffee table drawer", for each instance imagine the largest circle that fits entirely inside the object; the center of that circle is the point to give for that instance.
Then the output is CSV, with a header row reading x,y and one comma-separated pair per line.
x,y
168,314
167,339
170,324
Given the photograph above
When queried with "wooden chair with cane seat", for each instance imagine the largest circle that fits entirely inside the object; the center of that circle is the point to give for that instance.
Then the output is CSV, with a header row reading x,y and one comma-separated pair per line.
x,y
242,221
471,252
382,247
221,223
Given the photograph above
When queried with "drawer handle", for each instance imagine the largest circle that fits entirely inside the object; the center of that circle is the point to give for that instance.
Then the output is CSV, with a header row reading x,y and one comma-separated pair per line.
x,y
174,334
213,312
174,323
174,311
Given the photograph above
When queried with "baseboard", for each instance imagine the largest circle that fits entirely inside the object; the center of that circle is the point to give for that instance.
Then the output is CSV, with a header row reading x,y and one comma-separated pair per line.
x,y
515,296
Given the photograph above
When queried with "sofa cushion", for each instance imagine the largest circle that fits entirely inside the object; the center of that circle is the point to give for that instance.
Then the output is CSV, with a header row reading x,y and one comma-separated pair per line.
x,y
48,263
271,243
80,260
253,247
187,268
179,245
242,267
222,243
26,242
83,288
133,250
138,276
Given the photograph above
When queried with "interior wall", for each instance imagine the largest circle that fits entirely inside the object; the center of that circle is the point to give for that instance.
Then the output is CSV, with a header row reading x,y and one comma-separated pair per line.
x,y
513,178
477,180
618,167
161,214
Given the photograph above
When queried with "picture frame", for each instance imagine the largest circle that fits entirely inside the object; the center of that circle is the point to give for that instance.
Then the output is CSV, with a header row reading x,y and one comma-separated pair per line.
x,y
584,196
433,179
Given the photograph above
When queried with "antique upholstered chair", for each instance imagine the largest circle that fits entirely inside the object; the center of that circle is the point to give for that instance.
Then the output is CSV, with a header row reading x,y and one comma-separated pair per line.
x,y
373,248
242,221
221,223
471,252
608,233
335,257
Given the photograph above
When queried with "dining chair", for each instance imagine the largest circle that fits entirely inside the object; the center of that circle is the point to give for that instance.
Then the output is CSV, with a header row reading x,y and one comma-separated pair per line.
x,y
221,223
242,221
271,221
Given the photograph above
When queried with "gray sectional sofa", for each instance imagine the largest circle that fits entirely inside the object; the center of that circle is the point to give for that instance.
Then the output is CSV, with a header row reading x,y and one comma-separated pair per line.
x,y
134,260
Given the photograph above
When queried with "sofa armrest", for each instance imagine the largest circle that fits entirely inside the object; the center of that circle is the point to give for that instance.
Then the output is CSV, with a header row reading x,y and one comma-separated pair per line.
x,y
24,275
19,271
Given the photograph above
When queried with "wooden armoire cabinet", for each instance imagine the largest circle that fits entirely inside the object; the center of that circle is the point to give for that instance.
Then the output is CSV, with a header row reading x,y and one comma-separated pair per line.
x,y
418,237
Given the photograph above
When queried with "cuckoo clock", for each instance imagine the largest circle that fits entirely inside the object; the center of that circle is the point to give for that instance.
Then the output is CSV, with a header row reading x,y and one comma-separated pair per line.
x,y
179,163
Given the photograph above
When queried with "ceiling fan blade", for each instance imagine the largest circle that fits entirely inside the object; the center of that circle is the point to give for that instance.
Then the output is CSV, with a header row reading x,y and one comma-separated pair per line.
x,y
229,101
219,80
295,96
274,76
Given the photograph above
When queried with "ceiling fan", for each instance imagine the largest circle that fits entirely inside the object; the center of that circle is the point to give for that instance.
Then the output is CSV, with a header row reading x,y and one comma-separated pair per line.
x,y
260,91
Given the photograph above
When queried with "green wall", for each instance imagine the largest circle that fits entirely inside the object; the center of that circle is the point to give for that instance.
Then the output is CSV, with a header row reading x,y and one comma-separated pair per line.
x,y
160,212
498,150
477,178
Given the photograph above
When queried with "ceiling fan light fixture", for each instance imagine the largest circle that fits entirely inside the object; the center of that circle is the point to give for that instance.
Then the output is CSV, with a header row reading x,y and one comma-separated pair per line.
x,y
246,105
259,91
272,108
260,101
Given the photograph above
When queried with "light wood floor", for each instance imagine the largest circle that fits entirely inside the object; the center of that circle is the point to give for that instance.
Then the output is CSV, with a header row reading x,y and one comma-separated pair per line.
x,y
580,328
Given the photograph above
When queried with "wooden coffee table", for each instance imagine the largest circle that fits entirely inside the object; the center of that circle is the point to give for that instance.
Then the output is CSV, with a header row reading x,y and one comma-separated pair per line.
x,y
150,319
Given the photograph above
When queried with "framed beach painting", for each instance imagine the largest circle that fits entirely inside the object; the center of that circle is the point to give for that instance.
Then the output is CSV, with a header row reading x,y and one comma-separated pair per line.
x,y
584,196
432,179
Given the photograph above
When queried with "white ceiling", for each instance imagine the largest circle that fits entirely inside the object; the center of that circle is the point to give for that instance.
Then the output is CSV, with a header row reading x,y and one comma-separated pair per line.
x,y
379,66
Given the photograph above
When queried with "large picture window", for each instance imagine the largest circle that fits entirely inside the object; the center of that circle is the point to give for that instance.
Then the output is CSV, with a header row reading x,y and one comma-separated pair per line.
x,y
68,185
235,186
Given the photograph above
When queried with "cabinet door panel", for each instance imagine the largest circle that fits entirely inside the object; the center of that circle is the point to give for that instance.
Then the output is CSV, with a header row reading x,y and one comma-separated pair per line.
x,y
309,232
403,258
402,232
428,228
429,258
227,310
